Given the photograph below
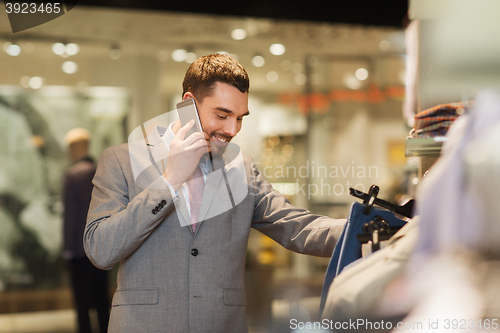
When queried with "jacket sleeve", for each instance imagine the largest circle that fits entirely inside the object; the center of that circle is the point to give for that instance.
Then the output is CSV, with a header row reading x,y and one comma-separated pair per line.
x,y
297,229
117,226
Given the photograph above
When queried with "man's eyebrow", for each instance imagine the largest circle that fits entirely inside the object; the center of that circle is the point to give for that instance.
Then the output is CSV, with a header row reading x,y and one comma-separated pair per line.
x,y
223,109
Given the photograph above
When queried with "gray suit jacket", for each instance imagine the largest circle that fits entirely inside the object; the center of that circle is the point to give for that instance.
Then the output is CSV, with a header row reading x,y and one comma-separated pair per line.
x,y
171,279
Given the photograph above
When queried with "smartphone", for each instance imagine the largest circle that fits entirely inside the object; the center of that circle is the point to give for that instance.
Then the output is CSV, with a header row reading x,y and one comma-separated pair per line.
x,y
187,110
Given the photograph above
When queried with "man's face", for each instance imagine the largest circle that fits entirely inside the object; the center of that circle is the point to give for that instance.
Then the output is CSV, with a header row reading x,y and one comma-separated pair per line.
x,y
221,115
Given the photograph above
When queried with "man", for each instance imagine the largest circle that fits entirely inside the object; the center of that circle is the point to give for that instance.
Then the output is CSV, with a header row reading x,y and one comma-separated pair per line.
x,y
181,261
90,286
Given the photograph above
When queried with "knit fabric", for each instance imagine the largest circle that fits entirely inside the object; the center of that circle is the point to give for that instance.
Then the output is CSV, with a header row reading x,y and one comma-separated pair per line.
x,y
436,120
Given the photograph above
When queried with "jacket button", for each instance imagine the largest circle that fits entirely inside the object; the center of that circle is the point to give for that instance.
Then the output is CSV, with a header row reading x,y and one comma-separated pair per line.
x,y
194,252
154,211
163,202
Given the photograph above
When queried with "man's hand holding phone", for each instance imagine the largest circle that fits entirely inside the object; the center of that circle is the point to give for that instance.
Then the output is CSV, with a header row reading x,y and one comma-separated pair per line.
x,y
184,156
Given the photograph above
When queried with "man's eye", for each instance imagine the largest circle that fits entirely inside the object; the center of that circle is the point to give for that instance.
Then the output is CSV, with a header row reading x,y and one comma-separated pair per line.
x,y
221,117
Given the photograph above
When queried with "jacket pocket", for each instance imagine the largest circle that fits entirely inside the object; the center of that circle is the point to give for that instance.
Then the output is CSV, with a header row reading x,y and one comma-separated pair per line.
x,y
234,297
146,296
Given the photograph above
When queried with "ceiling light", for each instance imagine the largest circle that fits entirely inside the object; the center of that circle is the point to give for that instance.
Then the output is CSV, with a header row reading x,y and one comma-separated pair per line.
x,y
65,50
361,74
272,76
179,55
239,34
36,82
72,49
13,50
277,49
58,48
191,57
69,67
352,82
258,61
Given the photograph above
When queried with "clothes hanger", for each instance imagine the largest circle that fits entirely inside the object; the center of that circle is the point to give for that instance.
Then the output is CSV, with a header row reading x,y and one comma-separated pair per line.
x,y
370,199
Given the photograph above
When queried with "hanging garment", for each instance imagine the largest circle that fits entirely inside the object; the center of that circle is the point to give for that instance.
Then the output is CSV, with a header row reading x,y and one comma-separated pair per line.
x,y
355,292
348,248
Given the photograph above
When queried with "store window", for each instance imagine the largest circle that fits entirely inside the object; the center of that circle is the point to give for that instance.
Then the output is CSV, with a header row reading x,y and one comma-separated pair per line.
x,y
34,159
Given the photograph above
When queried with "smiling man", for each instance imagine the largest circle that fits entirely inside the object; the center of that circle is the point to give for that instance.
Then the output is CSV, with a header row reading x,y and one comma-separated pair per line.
x,y
181,233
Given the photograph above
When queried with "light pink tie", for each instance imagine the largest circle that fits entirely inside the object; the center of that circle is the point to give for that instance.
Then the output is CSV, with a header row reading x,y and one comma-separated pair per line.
x,y
196,185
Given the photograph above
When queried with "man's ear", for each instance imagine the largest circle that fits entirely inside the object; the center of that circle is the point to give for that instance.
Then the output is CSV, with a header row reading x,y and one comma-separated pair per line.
x,y
187,95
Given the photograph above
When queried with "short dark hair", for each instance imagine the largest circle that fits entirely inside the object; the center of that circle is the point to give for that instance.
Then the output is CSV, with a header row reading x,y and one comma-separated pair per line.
x,y
202,75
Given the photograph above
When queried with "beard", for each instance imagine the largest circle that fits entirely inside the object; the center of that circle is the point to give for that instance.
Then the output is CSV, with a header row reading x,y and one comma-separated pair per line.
x,y
216,147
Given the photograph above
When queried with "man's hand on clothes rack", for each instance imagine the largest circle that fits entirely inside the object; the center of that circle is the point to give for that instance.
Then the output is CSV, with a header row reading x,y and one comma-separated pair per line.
x,y
184,155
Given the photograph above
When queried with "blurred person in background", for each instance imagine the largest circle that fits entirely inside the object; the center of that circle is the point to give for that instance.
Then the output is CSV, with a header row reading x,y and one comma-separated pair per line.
x,y
89,284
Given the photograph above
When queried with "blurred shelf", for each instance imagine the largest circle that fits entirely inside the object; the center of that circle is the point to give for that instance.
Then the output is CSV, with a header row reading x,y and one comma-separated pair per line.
x,y
428,147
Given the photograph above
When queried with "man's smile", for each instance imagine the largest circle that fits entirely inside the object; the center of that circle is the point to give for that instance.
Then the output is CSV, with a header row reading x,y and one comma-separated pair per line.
x,y
221,139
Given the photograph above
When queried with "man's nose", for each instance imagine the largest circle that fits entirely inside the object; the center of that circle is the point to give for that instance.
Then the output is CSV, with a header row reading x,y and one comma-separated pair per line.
x,y
231,128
